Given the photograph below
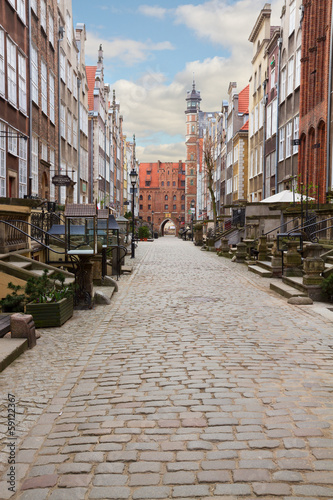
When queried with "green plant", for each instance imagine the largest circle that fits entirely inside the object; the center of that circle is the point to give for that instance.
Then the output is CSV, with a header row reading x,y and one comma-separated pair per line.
x,y
143,232
45,289
13,302
327,287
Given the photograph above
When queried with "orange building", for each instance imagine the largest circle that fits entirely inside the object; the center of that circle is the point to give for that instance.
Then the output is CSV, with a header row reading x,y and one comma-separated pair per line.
x,y
162,194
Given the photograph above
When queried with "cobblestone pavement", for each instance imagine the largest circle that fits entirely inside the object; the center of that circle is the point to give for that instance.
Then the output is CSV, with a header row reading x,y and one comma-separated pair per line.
x,y
196,382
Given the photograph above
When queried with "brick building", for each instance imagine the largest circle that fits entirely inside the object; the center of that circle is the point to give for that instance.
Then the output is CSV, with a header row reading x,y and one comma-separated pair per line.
x,y
162,194
14,99
44,97
313,167
192,150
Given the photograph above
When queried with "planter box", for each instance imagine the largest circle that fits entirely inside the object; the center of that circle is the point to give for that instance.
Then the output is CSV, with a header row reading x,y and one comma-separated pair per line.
x,y
52,313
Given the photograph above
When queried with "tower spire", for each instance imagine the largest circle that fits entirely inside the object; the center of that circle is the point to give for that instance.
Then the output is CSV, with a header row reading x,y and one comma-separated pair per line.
x,y
193,84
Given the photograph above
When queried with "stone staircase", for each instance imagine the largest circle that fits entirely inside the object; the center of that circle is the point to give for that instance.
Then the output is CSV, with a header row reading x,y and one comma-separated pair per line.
x,y
263,268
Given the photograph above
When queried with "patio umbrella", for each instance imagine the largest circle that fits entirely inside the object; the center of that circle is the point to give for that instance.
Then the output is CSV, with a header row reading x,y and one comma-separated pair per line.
x,y
285,196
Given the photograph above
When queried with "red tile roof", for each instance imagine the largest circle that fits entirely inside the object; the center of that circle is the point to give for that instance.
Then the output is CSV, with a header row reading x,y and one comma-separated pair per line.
x,y
243,100
91,72
245,126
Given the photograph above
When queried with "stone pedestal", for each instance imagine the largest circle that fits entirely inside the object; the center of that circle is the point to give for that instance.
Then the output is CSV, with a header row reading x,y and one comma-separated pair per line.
x,y
224,248
198,237
292,260
276,260
313,267
241,252
22,326
97,267
262,255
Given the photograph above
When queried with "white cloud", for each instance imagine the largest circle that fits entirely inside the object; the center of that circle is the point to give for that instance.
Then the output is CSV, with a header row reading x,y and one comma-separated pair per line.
x,y
152,11
129,51
163,152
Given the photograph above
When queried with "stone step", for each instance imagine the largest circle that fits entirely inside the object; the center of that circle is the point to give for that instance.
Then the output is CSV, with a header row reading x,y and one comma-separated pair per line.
x,y
20,264
286,290
264,273
108,291
295,282
10,349
126,269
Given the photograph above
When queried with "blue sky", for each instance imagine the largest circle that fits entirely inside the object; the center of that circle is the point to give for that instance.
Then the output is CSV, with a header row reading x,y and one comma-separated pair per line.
x,y
152,49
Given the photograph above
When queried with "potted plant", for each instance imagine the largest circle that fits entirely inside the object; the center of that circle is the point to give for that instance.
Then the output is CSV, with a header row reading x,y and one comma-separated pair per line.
x,y
49,301
327,287
144,233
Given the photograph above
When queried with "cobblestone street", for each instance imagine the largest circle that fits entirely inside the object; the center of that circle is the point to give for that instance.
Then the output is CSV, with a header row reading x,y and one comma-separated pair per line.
x,y
197,382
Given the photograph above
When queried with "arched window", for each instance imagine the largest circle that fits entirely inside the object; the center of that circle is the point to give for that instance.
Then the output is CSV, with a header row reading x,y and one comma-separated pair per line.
x,y
174,197
162,183
141,197
183,197
192,156
166,197
149,197
192,182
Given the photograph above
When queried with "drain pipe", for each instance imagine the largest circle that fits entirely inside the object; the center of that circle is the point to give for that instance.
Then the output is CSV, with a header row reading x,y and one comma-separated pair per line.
x,y
60,38
30,105
329,173
78,141
277,116
264,140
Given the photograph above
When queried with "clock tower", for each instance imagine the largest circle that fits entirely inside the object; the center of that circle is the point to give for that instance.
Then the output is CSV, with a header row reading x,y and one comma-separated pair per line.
x,y
192,151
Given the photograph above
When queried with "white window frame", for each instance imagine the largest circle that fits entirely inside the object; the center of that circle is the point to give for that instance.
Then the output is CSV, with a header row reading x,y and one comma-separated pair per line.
x,y
34,74
52,97
289,133
3,173
69,28
63,120
12,141
23,168
256,118
11,72
33,4
43,86
274,116
283,88
292,17
269,121
281,143
261,114
51,29
43,14
62,66
22,76
290,86
69,76
34,165
69,127
296,133
2,62
74,85
21,9
52,173
298,68
273,78
75,126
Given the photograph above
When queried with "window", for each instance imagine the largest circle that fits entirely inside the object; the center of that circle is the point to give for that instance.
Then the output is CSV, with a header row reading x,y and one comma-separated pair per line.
x,y
251,123
11,72
43,14
296,128
182,183
290,75
22,71
182,207
192,171
289,129
298,68
173,183
259,76
283,84
22,168
191,182
2,159
62,65
21,9
44,86
12,141
69,127
147,183
168,183
34,166
292,17
63,121
273,78
269,121
2,62
274,116
75,85
149,197
256,119
52,97
69,28
255,82
141,207
149,207
44,151
34,74
69,77
174,207
235,187
166,207
33,4
51,29
174,197
251,165
260,161
74,132
166,197
162,183
141,197
261,114
281,144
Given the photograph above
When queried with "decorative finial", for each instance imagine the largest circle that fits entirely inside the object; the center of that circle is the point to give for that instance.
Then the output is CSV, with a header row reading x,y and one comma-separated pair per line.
x,y
193,82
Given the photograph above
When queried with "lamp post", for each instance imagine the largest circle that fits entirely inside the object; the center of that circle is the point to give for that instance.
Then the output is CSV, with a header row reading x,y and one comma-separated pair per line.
x,y
192,217
133,177
152,223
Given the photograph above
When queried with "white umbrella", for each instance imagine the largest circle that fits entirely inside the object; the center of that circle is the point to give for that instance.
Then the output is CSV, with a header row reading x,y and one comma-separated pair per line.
x,y
285,196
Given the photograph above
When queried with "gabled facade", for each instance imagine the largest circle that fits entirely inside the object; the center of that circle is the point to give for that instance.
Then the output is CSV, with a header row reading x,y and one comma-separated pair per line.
x,y
259,37
14,99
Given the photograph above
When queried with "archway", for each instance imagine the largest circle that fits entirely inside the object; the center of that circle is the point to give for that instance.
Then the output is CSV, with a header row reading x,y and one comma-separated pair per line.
x,y
168,227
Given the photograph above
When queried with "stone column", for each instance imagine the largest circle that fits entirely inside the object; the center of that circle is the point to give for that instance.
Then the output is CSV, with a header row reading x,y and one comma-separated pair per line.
x,y
276,260
241,252
262,248
313,267
224,248
292,260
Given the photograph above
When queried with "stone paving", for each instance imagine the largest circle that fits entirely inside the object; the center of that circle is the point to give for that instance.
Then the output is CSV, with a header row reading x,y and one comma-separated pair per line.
x,y
196,382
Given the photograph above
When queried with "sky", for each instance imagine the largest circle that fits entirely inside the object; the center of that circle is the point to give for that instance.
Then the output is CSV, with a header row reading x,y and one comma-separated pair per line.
x,y
153,49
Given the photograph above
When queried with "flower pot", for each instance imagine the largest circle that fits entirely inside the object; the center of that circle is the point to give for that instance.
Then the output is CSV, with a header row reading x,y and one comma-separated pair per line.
x,y
51,313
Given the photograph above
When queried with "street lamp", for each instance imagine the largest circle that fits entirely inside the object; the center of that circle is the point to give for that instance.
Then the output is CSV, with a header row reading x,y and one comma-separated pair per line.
x,y
152,223
192,216
133,176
